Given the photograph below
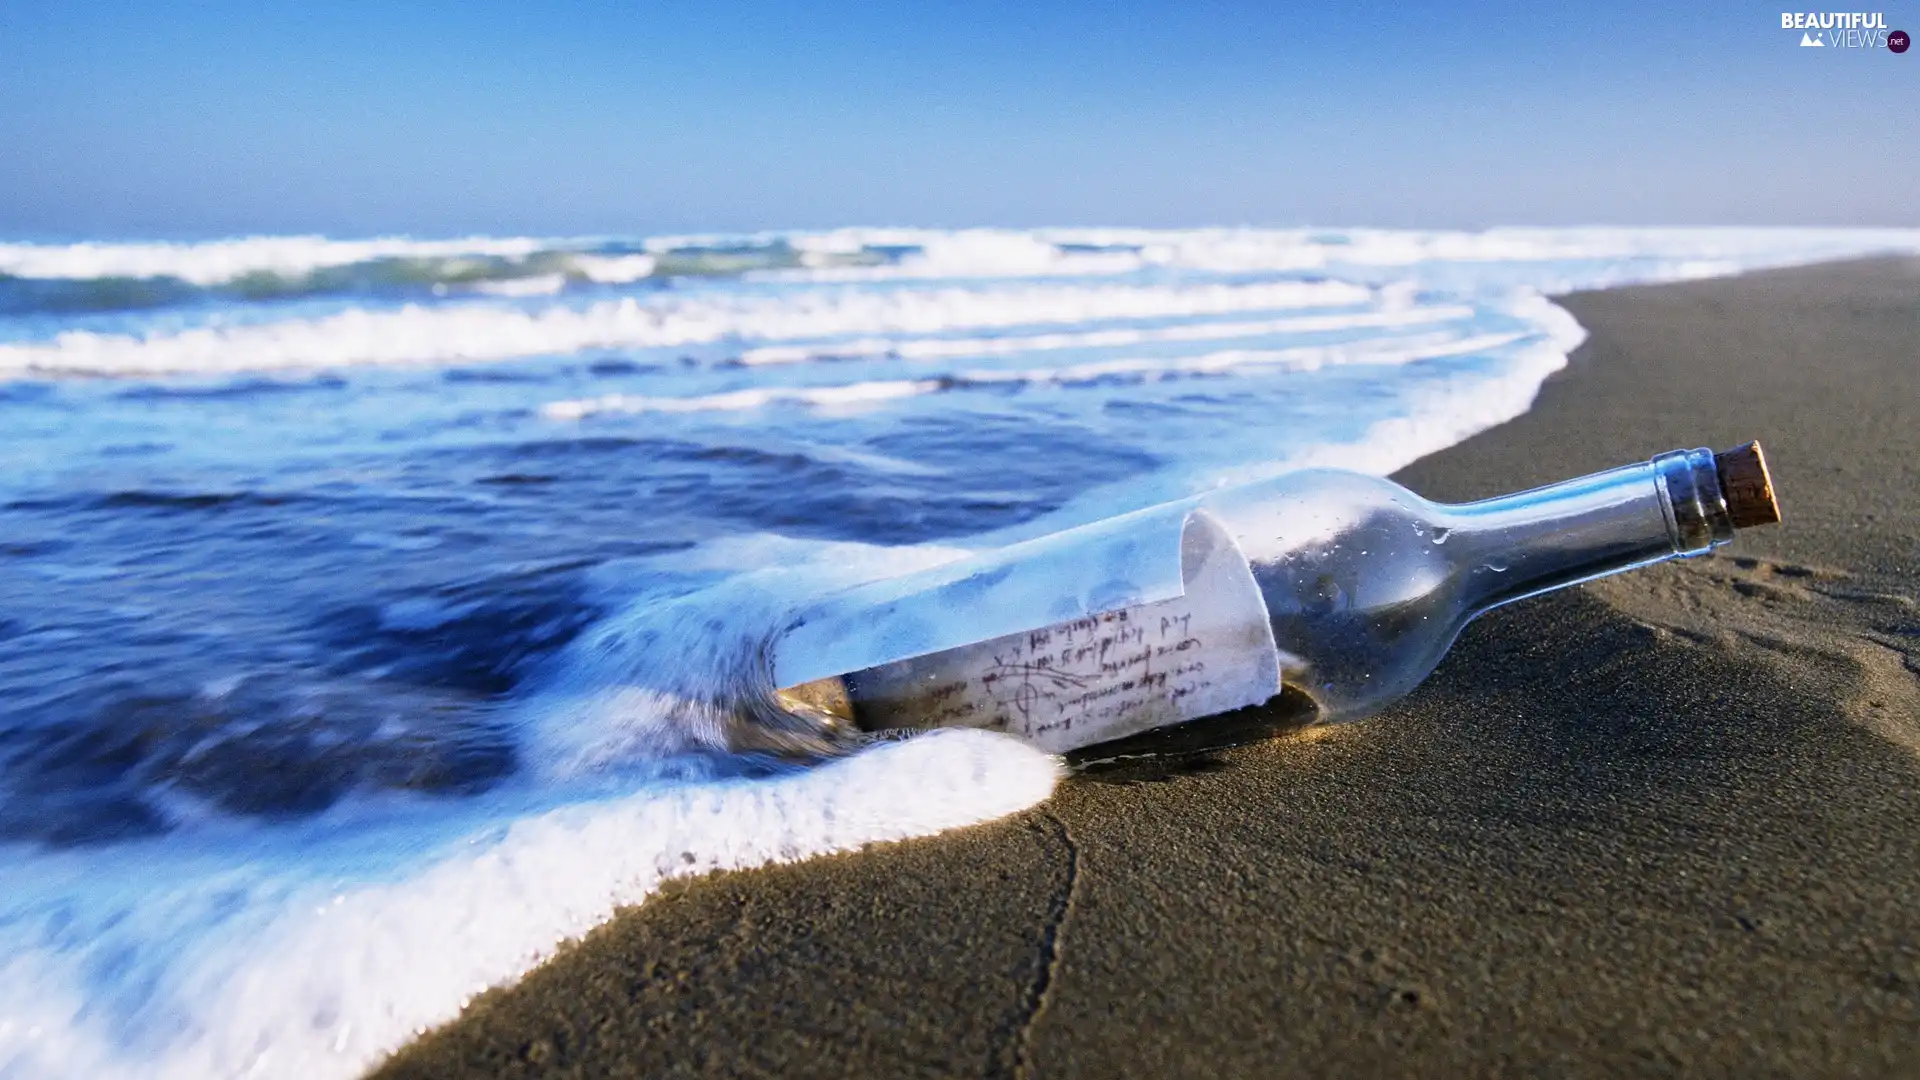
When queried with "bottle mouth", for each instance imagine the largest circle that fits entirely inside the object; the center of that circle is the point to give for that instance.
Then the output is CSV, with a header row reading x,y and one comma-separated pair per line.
x,y
1698,518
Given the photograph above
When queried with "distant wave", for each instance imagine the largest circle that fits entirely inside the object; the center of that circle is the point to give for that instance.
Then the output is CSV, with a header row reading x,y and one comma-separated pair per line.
x,y
876,253
129,277
843,294
219,261
106,277
423,334
116,277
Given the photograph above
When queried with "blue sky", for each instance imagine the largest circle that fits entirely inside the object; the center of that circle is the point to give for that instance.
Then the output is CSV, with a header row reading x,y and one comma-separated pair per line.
x,y
121,119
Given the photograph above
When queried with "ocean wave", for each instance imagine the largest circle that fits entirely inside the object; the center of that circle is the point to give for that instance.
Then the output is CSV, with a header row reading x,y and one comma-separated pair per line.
x,y
219,261
38,278
472,332
122,276
290,967
946,348
864,393
105,277
928,253
1125,371
267,976
292,880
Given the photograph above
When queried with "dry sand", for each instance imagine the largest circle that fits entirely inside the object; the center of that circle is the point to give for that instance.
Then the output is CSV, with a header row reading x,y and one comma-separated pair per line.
x,y
1668,823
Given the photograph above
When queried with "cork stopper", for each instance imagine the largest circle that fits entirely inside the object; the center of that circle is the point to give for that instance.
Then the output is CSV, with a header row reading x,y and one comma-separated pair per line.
x,y
1747,487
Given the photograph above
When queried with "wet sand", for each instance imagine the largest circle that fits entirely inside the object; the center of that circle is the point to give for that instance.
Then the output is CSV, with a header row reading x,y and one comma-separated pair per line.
x,y
1663,824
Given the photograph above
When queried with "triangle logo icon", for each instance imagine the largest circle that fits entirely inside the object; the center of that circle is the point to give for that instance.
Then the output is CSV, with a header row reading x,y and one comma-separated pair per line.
x,y
1808,41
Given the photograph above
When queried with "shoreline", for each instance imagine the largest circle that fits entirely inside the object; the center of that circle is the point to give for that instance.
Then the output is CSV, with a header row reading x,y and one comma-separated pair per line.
x,y
1666,822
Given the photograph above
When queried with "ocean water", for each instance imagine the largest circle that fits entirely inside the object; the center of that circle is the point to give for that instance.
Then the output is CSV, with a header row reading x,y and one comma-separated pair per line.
x,y
370,609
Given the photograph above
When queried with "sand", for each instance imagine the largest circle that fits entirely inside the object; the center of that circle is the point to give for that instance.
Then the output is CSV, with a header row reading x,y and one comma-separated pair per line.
x,y
1667,823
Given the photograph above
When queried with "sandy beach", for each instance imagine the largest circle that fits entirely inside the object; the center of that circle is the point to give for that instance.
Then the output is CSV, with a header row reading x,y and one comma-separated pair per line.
x,y
1664,824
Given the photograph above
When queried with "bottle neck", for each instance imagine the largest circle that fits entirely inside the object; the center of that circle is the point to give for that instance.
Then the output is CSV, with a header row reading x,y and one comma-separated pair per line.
x,y
1528,543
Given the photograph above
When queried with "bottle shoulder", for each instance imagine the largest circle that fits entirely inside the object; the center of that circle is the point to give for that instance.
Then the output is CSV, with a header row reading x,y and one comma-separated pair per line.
x,y
1317,510
1360,583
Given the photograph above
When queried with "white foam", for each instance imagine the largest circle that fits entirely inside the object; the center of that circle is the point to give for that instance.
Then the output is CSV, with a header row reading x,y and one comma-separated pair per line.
x,y
334,980
998,253
735,400
1225,361
537,285
615,269
278,952
1221,362
978,253
1434,420
219,261
1007,253
942,348
475,332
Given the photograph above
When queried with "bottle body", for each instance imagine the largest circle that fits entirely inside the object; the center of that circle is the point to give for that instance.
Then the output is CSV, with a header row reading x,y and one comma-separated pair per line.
x,y
1367,585
1322,595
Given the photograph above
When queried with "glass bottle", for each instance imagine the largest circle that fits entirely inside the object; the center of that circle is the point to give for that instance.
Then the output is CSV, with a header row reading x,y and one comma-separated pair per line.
x,y
1316,596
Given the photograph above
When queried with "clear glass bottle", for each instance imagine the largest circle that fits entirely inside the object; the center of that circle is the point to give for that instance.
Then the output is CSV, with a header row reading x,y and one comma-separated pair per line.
x,y
1311,597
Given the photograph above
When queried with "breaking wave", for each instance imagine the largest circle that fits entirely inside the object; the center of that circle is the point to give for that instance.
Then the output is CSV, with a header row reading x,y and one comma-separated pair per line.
x,y
460,333
108,277
379,608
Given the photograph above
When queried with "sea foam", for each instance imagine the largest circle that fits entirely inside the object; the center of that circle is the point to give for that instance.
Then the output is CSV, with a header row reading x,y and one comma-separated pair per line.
x,y
472,332
220,261
1384,352
312,947
297,979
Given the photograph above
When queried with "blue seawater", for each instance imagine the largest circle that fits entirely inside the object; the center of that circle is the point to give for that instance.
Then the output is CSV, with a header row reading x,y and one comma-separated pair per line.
x,y
353,592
